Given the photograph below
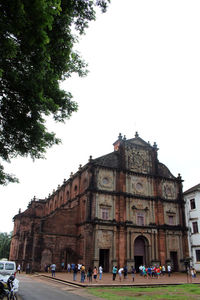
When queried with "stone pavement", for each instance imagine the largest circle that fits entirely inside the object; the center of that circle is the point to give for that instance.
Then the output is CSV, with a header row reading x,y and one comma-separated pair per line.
x,y
175,278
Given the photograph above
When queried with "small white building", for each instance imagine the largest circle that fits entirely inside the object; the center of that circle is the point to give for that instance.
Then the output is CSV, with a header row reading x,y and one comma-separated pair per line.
x,y
192,211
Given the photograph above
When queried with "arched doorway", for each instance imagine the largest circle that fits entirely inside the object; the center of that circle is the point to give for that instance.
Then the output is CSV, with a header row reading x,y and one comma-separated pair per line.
x,y
68,256
140,252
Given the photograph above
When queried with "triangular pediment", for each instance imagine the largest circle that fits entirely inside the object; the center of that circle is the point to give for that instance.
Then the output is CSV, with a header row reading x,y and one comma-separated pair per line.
x,y
138,141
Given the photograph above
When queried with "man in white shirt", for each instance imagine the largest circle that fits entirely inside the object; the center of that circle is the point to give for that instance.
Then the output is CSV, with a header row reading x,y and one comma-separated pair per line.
x,y
169,270
53,270
120,273
100,272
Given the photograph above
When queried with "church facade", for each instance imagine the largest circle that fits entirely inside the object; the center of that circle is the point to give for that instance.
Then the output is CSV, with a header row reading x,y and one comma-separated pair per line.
x,y
122,208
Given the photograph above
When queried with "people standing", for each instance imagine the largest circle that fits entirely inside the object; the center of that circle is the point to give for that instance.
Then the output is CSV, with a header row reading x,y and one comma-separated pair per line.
x,y
169,270
114,272
194,273
95,273
75,271
149,272
82,273
62,265
28,268
120,273
133,273
141,269
68,268
125,272
19,268
89,275
100,272
163,270
53,270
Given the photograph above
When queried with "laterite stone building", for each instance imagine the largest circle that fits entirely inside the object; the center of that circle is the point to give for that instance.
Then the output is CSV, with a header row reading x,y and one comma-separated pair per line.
x,y
122,208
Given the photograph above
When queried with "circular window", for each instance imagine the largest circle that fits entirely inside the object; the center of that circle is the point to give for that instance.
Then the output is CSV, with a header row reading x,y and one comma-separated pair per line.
x,y
139,187
105,180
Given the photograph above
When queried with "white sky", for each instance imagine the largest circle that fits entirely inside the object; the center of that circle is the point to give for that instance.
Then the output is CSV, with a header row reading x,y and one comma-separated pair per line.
x,y
144,63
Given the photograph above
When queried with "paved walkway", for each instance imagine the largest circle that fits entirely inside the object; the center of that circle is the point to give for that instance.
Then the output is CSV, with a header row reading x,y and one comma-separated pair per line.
x,y
175,278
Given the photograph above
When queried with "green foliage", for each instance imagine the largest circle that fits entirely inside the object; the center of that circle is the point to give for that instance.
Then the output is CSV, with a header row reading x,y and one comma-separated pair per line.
x,y
5,240
176,292
36,53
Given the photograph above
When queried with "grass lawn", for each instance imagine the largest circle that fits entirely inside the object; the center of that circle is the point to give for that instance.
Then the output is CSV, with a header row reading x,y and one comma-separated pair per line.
x,y
178,292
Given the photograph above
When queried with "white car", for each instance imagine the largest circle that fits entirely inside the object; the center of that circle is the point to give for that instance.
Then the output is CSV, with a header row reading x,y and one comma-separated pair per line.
x,y
8,271
7,267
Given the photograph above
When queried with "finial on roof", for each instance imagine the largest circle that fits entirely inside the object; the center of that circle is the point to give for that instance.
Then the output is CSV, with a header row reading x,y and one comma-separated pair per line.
x,y
19,211
124,138
179,176
34,198
90,158
71,174
80,167
136,134
64,180
120,136
155,145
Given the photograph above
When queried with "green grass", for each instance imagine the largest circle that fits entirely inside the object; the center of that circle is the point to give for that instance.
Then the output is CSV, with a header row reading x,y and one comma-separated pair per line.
x,y
178,292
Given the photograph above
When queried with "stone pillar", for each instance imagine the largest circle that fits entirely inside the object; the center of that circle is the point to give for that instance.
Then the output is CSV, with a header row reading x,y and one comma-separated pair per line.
x,y
96,249
161,246
114,259
130,257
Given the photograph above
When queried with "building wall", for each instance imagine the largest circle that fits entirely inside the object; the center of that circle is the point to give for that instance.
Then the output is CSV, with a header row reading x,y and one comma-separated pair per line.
x,y
193,215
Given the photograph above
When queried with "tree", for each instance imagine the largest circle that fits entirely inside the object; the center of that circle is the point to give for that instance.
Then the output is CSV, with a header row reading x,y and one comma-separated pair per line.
x,y
37,41
5,240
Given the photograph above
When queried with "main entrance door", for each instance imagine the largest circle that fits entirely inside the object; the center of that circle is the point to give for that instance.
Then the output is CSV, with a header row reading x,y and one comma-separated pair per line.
x,y
140,255
174,260
104,259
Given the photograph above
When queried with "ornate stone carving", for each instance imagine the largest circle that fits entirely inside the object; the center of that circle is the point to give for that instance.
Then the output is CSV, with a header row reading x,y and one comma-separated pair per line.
x,y
138,160
104,239
168,190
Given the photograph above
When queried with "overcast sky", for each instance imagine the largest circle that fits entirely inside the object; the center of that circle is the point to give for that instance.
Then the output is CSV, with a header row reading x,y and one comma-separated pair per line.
x,y
144,63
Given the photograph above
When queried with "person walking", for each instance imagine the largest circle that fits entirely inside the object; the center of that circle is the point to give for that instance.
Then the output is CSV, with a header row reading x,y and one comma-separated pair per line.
x,y
100,272
114,272
53,270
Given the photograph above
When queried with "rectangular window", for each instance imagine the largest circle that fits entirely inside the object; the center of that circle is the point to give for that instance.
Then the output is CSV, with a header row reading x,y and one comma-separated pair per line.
x,y
140,219
171,220
198,255
105,213
195,227
192,204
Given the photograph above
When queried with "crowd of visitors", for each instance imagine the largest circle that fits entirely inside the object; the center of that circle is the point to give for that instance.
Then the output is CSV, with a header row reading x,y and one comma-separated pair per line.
x,y
94,274
154,271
